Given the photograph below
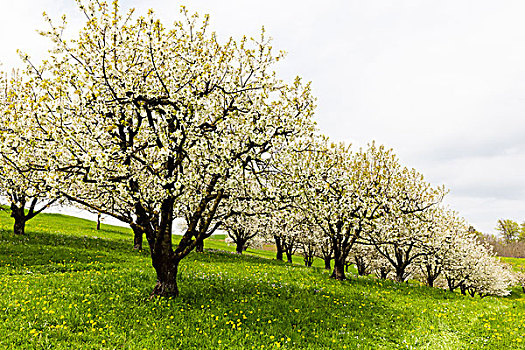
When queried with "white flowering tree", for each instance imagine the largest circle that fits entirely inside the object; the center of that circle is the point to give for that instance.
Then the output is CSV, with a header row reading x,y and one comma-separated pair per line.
x,y
242,228
284,226
380,266
520,277
168,118
473,267
101,199
24,188
339,191
445,230
324,249
401,235
491,277
363,257
311,242
460,262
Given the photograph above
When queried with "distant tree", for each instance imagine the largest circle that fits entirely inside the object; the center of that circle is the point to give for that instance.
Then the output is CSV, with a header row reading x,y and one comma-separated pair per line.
x,y
363,257
325,251
472,230
521,237
241,228
285,229
402,234
510,230
446,230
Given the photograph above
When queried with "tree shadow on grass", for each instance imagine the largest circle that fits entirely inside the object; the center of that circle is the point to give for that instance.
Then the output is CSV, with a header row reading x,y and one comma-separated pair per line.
x,y
54,252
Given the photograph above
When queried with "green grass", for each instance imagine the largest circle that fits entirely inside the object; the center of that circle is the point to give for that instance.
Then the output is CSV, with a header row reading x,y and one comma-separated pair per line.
x,y
67,286
517,263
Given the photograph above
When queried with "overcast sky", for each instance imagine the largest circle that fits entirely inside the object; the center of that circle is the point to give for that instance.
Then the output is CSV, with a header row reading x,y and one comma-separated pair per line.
x,y
441,82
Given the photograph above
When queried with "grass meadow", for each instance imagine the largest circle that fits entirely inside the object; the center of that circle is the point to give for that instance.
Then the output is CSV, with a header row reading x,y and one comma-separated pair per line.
x,y
67,286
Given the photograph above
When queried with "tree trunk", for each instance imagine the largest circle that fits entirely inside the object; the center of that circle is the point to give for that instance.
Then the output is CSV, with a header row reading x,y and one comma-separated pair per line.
x,y
308,259
400,273
431,277
137,237
199,248
19,226
289,257
383,273
163,258
279,247
166,277
327,260
339,270
430,281
450,284
20,220
98,221
361,266
239,246
339,264
137,241
463,289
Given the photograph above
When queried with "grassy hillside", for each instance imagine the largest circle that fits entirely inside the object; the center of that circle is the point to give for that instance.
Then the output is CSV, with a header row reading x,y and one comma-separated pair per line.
x,y
67,286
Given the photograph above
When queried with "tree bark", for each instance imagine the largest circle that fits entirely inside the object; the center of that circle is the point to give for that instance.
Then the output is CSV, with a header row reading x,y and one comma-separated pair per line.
x,y
19,227
463,289
199,248
98,221
164,260
308,260
432,275
137,241
327,260
430,281
400,273
361,266
239,246
451,284
137,237
339,263
18,214
339,270
166,277
279,247
289,257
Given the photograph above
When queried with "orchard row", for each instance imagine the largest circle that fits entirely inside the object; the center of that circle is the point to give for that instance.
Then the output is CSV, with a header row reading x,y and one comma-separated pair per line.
x,y
149,123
